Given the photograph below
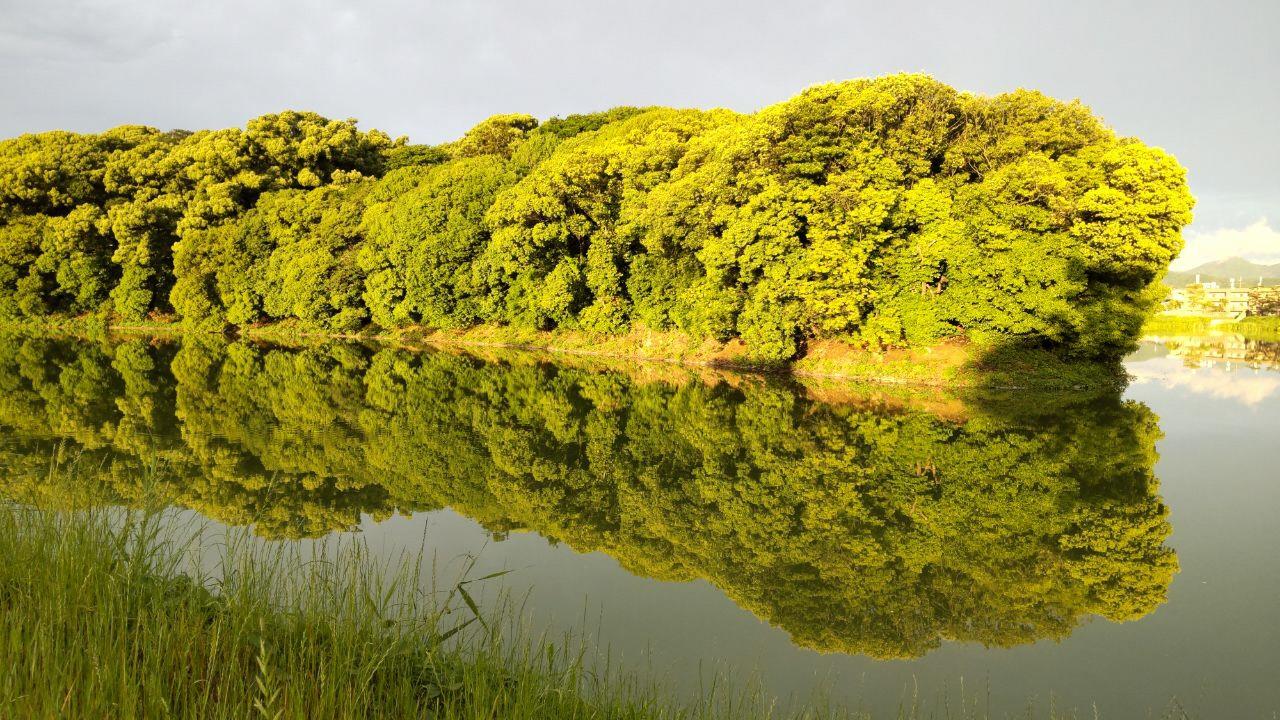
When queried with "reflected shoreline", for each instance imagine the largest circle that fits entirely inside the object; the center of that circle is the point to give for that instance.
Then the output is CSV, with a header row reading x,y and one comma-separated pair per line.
x,y
1225,366
1222,348
877,523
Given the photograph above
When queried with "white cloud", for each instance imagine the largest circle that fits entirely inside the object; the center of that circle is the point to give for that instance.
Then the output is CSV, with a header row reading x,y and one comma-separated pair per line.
x,y
1246,387
1258,242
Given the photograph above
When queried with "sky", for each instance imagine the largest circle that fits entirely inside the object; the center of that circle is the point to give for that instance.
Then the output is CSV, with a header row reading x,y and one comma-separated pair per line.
x,y
1198,79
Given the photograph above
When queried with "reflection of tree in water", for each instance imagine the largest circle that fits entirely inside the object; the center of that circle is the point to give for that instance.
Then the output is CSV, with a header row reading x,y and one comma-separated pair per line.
x,y
854,529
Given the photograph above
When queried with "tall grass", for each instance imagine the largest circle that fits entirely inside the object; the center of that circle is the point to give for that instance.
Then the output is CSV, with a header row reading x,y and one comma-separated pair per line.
x,y
114,616
1264,329
1165,325
108,614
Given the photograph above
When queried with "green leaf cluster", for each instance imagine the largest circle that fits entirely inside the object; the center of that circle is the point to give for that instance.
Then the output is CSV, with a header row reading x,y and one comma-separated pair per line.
x,y
892,212
107,222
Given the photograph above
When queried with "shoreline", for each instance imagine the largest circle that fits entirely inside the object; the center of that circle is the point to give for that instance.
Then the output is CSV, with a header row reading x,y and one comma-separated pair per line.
x,y
955,364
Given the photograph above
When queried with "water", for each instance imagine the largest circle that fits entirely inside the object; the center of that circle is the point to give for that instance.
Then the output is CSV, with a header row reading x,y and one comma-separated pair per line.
x,y
1115,552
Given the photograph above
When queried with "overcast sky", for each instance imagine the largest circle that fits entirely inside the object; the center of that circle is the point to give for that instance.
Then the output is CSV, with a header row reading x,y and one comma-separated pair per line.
x,y
1199,79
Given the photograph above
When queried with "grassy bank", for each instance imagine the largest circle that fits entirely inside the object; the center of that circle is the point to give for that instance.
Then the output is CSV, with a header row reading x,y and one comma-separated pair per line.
x,y
951,364
1166,325
103,618
956,364
110,616
1263,329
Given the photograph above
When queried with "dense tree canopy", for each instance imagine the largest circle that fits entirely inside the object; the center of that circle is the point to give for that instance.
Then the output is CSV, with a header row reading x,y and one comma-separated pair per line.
x,y
895,211
854,527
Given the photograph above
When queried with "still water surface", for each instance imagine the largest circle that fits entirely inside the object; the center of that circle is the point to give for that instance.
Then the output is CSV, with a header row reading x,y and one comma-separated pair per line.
x,y
1108,551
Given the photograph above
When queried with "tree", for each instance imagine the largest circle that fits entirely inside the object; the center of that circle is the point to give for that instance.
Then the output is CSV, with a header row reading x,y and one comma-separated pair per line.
x,y
421,244
1265,302
561,243
498,135
888,212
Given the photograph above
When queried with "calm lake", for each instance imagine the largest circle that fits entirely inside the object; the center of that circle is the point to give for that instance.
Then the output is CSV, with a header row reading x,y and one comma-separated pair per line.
x,y
874,542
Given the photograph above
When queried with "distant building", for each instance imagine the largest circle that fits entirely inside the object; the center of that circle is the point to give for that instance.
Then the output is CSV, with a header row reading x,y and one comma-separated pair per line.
x,y
1231,300
1234,301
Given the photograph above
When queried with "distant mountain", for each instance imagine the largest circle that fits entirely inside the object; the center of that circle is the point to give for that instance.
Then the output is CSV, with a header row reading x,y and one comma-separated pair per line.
x,y
1222,271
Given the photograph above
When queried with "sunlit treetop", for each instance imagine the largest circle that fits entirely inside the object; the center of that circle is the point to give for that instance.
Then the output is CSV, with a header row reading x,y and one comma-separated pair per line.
x,y
894,211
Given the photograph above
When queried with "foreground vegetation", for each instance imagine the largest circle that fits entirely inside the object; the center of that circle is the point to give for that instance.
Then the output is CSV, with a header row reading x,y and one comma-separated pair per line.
x,y
994,520
110,615
894,212
110,618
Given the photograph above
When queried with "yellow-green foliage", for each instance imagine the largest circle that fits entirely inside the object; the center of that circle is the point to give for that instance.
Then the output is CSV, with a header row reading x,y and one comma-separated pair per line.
x,y
117,206
1176,325
423,232
564,238
895,211
1262,329
1003,526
